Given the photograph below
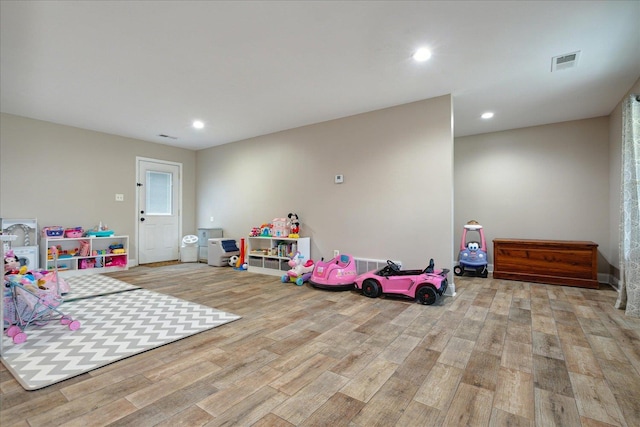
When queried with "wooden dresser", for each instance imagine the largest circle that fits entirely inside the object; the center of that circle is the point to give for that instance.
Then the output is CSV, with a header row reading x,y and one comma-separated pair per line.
x,y
556,262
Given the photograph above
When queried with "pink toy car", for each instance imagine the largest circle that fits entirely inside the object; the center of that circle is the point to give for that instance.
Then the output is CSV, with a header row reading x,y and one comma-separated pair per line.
x,y
425,286
338,274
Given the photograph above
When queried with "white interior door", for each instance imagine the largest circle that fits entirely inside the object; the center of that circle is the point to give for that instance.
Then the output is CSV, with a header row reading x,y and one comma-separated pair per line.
x,y
159,195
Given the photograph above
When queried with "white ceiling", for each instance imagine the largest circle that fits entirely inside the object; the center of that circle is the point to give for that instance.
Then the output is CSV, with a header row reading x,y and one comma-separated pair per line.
x,y
144,68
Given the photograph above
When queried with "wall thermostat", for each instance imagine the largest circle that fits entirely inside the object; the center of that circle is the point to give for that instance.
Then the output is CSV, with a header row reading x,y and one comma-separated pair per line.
x,y
339,179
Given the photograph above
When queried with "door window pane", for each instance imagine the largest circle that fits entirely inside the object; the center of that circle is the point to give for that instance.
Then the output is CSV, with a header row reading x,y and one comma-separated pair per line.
x,y
159,193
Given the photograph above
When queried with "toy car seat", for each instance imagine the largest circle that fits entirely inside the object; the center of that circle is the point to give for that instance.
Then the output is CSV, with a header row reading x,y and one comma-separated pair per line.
x,y
430,267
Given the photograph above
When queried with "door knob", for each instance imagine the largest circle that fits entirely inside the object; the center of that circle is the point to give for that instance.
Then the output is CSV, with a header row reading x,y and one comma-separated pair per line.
x,y
142,219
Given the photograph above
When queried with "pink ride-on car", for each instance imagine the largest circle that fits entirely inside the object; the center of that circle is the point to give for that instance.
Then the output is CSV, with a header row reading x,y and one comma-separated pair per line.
x,y
425,286
338,273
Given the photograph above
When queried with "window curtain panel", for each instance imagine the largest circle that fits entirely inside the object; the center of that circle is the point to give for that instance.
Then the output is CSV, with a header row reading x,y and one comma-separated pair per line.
x,y
629,294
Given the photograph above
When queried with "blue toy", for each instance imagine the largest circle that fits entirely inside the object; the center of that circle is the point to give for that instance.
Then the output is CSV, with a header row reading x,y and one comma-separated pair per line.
x,y
473,255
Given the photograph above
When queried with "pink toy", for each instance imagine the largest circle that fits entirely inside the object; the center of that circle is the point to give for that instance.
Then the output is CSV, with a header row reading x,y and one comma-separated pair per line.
x,y
84,248
34,300
339,274
74,232
425,286
279,227
300,271
11,262
115,261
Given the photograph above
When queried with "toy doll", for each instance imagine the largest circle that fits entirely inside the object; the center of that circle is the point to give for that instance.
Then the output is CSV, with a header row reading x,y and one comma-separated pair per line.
x,y
11,263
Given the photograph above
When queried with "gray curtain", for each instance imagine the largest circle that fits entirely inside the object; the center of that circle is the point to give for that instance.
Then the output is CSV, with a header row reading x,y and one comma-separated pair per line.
x,y
629,296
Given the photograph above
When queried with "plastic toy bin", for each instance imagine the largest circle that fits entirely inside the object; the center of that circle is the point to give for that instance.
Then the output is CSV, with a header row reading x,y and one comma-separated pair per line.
x,y
53,232
189,254
189,249
73,232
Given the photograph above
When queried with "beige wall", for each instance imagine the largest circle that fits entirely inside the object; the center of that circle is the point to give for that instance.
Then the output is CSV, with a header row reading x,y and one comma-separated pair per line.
x,y
542,182
68,176
395,202
558,181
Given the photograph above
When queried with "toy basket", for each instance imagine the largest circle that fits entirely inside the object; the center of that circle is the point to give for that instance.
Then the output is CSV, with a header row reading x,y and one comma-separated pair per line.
x,y
74,232
53,232
102,233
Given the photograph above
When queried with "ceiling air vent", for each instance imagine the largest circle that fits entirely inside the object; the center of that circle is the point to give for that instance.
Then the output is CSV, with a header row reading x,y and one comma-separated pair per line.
x,y
563,62
168,136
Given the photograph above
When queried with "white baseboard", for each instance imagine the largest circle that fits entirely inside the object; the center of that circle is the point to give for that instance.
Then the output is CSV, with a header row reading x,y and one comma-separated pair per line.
x,y
451,290
611,281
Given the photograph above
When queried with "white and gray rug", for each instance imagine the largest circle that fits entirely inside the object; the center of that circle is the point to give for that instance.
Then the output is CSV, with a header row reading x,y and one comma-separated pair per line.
x,y
113,327
94,285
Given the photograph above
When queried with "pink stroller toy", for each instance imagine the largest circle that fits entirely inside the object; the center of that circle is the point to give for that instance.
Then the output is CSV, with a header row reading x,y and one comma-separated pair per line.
x,y
34,303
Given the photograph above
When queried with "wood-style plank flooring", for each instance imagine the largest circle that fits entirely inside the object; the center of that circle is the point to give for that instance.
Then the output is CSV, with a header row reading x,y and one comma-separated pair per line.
x,y
499,353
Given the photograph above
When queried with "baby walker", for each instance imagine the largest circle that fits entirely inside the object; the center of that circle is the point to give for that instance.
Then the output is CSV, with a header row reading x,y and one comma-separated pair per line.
x,y
35,303
300,271
473,255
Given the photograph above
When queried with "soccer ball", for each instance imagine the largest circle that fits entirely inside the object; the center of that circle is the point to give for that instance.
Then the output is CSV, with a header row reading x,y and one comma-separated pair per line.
x,y
233,260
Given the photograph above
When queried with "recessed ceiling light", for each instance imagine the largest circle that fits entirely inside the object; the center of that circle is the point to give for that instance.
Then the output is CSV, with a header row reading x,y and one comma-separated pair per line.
x,y
422,54
198,124
487,115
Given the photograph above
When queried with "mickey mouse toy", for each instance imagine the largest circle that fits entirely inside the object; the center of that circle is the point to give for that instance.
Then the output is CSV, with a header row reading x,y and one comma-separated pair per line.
x,y
295,226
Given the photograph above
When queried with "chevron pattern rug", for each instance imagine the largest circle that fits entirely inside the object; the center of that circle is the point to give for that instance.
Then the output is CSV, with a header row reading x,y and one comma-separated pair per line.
x,y
114,327
94,285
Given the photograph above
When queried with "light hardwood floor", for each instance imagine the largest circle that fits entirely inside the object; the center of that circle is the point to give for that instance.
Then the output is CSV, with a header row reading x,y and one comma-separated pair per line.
x,y
500,353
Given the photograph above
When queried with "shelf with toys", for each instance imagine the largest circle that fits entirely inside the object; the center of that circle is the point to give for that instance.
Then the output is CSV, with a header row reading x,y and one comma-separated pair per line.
x,y
272,245
90,254
269,255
